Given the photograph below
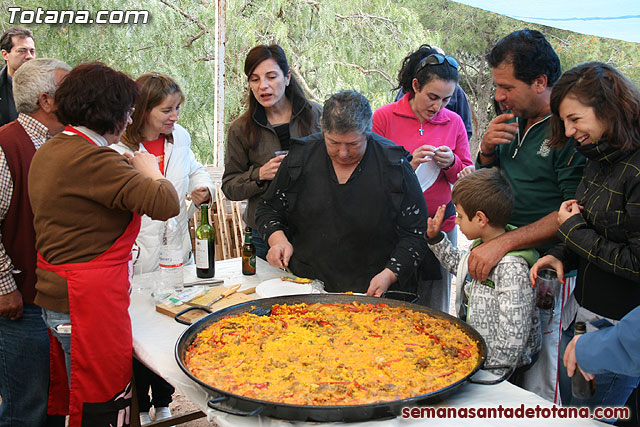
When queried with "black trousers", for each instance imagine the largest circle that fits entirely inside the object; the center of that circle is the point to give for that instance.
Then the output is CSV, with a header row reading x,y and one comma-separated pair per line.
x,y
161,390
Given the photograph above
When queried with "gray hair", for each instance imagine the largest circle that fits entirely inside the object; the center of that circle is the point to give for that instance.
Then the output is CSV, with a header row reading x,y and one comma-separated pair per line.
x,y
33,78
346,111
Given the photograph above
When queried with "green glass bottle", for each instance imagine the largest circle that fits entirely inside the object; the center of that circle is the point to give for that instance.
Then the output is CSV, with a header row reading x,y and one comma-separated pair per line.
x,y
205,245
248,254
580,386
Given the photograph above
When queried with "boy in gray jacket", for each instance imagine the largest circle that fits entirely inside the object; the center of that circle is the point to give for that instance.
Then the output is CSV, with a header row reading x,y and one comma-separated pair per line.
x,y
502,308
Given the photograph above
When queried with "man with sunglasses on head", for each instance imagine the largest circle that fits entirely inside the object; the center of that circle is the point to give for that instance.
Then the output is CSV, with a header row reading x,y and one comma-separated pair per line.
x,y
17,47
525,68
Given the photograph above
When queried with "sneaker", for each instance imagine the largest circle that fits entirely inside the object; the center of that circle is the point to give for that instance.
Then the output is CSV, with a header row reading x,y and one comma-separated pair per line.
x,y
144,418
162,413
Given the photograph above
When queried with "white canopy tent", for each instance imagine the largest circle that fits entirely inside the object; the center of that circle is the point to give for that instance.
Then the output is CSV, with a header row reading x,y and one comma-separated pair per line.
x,y
616,19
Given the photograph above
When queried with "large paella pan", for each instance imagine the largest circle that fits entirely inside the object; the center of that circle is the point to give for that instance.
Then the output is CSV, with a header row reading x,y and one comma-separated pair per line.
x,y
271,403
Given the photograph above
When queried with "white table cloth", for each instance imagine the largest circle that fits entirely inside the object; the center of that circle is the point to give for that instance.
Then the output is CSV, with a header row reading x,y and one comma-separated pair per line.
x,y
155,336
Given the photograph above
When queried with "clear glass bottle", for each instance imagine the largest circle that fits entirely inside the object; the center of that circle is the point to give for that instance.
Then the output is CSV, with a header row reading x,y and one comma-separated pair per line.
x,y
205,245
248,254
580,386
170,262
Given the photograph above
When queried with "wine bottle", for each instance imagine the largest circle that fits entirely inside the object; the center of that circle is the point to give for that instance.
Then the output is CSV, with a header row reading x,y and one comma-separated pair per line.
x,y
248,254
580,386
205,245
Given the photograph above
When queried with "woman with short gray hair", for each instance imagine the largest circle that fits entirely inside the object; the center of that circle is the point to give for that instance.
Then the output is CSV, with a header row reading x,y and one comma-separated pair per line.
x,y
345,206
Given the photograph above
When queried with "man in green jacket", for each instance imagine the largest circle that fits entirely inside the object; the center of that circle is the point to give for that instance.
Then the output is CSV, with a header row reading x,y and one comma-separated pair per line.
x,y
525,68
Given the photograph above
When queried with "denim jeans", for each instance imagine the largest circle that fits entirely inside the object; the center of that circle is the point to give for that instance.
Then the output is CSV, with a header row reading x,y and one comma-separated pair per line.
x,y
261,246
24,369
53,319
611,389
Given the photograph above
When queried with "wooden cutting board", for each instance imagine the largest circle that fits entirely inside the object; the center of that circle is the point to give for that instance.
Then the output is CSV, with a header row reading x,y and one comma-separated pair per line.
x,y
213,293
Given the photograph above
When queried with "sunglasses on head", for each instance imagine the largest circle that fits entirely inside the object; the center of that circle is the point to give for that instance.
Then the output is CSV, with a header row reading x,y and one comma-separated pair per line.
x,y
437,59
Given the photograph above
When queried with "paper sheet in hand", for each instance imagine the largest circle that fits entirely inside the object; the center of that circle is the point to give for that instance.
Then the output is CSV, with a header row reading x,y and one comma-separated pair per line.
x,y
427,174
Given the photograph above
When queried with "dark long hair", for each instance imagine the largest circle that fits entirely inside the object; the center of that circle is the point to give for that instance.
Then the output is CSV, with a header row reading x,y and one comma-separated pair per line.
x,y
411,63
614,99
293,91
154,88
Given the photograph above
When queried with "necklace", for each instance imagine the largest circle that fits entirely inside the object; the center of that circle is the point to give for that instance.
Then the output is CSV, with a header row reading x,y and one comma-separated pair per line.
x,y
421,130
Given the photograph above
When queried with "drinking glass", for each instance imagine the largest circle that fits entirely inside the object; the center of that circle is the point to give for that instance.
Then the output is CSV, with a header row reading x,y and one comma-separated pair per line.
x,y
547,288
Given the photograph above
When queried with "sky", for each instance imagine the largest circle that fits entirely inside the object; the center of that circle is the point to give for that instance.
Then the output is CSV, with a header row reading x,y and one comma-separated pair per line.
x,y
616,19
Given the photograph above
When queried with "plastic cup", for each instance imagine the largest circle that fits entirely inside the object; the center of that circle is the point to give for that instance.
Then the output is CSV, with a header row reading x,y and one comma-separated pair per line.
x,y
547,288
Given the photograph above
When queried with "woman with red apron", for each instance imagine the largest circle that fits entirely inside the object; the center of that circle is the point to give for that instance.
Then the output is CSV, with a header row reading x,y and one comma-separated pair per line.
x,y
87,201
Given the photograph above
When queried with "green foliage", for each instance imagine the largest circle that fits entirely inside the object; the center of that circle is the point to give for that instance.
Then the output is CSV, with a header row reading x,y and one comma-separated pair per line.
x,y
330,44
159,45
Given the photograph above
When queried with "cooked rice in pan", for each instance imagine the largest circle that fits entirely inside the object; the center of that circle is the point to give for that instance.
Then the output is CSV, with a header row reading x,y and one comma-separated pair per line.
x,y
332,354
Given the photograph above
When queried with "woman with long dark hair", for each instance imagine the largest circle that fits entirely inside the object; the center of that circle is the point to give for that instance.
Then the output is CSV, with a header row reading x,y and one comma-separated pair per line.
x,y
258,140
436,137
597,108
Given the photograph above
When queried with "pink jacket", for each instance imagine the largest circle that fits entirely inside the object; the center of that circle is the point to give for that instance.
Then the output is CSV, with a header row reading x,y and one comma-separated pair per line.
x,y
398,123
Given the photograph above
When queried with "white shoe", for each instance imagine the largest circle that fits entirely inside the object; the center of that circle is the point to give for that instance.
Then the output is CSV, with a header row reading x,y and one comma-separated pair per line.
x,y
161,413
144,418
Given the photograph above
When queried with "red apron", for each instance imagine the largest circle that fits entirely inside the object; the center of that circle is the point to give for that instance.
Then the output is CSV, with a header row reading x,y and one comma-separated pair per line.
x,y
101,340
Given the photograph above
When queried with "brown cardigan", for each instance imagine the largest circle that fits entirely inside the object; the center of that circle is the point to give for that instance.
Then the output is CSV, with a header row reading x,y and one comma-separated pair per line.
x,y
82,197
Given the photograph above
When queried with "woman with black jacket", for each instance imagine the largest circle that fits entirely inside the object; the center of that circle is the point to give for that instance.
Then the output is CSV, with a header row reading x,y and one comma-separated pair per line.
x,y
597,108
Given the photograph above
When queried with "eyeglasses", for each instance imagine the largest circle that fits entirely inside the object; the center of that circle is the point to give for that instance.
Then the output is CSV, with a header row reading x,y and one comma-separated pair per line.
x,y
23,51
437,59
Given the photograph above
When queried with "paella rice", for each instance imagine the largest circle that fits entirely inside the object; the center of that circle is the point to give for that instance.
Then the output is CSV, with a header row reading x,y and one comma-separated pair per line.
x,y
332,354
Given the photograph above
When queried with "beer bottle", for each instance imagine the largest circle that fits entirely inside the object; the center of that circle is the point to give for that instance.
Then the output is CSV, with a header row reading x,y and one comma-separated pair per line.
x,y
205,245
248,254
580,387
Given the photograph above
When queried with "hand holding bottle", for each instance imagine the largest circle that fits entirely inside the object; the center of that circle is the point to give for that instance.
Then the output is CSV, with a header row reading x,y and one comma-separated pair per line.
x,y
200,195
570,361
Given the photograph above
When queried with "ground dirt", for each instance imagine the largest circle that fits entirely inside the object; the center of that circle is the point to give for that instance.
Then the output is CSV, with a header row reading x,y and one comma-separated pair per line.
x,y
182,405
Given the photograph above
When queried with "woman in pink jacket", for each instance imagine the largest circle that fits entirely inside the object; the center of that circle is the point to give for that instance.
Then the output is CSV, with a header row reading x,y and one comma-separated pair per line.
x,y
435,136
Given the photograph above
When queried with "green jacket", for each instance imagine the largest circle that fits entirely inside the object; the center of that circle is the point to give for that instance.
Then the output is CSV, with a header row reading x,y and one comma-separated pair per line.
x,y
541,177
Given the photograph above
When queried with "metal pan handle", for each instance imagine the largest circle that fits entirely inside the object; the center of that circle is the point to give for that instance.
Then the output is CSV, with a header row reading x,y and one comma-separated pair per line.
x,y
186,310
506,375
212,404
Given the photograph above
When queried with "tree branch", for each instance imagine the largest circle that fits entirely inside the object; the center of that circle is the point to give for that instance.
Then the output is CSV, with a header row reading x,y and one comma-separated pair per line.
x,y
312,3
304,84
364,70
366,16
203,28
205,58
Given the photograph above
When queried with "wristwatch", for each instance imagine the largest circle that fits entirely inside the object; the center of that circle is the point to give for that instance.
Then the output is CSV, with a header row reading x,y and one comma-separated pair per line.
x,y
491,154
